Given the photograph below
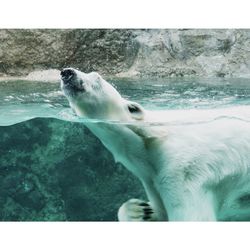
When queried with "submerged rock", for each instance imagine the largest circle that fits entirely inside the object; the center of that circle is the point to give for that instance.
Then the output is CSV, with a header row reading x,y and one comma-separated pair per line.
x,y
128,53
51,170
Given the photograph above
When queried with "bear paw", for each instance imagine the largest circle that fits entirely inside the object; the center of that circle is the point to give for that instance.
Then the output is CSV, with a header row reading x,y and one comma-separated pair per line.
x,y
136,210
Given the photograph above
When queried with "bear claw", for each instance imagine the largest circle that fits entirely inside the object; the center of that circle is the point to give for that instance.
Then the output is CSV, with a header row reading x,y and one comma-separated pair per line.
x,y
144,204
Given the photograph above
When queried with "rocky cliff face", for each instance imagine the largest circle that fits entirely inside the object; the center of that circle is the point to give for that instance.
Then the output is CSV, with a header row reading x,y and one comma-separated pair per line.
x,y
107,51
128,53
208,53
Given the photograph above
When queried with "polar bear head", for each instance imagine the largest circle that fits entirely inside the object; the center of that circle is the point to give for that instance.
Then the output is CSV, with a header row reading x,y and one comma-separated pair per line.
x,y
90,96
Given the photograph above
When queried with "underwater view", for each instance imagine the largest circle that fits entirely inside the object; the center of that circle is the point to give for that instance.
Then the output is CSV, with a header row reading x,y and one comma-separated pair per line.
x,y
51,166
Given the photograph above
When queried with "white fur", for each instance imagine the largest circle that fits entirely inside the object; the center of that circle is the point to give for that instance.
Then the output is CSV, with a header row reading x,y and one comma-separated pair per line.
x,y
193,164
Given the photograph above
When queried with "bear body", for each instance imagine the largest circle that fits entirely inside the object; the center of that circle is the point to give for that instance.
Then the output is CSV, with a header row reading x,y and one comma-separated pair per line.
x,y
193,164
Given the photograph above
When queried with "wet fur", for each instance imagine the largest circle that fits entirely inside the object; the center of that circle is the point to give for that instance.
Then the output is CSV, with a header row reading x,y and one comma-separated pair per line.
x,y
199,171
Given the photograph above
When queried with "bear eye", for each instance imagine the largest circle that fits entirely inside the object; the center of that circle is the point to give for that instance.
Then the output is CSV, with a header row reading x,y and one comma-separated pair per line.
x,y
133,109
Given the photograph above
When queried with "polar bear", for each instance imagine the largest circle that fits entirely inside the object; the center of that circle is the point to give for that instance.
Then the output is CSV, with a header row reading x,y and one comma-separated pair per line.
x,y
193,164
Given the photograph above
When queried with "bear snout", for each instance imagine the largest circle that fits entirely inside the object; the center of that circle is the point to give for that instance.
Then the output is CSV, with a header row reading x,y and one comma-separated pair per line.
x,y
67,74
71,82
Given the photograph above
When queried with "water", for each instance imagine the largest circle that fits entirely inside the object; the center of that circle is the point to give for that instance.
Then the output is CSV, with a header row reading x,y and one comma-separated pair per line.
x,y
21,100
47,168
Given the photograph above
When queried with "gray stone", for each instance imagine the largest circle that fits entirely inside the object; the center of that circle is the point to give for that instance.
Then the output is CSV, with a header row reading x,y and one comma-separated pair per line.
x,y
128,53
106,51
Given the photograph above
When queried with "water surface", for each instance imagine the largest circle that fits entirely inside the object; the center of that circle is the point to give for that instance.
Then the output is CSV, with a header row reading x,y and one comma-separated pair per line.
x,y
22,100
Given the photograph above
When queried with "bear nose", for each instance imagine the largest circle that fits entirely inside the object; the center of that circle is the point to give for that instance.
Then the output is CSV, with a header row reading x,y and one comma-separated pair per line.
x,y
67,74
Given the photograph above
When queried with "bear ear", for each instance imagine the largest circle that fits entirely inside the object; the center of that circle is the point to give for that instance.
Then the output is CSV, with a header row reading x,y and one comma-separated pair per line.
x,y
135,110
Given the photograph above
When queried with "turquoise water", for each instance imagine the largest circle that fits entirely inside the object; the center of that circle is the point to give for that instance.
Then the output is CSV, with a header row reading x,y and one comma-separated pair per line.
x,y
20,100
47,168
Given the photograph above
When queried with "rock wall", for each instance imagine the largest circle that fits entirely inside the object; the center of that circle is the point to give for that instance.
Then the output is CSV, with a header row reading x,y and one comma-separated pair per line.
x,y
206,53
128,53
108,51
